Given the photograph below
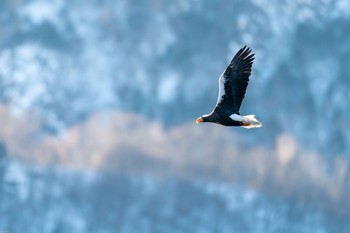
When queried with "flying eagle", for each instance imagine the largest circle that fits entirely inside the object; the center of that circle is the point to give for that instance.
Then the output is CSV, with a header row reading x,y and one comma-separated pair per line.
x,y
232,86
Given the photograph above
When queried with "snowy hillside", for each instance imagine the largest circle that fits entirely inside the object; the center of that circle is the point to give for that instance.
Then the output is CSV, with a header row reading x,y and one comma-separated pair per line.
x,y
162,60
66,201
98,101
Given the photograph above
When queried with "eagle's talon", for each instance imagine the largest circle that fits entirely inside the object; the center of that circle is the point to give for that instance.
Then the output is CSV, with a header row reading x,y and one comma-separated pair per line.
x,y
244,123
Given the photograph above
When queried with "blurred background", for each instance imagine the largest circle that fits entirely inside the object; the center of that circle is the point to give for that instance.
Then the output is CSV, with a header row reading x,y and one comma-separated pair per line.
x,y
98,101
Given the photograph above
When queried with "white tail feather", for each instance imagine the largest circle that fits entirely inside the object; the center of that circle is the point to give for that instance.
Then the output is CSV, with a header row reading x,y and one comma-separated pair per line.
x,y
253,123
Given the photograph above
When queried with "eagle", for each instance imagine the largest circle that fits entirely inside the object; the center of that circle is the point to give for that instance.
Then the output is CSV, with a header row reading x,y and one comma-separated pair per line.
x,y
232,87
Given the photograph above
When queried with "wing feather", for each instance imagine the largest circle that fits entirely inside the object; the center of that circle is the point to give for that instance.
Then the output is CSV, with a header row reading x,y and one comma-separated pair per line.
x,y
234,81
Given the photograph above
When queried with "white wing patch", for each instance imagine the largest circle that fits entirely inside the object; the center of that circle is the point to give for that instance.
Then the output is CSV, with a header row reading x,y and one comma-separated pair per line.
x,y
236,117
221,88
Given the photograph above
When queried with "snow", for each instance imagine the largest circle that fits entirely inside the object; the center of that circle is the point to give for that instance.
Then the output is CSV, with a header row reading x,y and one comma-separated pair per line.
x,y
116,202
67,60
15,174
167,89
109,56
40,11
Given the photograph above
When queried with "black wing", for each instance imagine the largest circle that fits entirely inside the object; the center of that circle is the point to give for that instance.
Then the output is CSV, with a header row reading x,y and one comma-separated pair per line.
x,y
233,82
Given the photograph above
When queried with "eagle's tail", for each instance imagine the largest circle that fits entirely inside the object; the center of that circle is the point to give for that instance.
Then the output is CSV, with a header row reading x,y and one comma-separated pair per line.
x,y
249,121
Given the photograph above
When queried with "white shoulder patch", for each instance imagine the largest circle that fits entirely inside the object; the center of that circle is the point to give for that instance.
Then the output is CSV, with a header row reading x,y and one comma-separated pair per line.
x,y
236,117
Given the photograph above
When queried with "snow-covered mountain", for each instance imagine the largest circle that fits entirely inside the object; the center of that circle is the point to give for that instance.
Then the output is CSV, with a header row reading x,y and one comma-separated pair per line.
x,y
56,200
162,59
108,91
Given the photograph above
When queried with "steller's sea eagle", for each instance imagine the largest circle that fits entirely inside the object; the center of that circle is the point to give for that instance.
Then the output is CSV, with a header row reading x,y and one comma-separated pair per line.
x,y
232,86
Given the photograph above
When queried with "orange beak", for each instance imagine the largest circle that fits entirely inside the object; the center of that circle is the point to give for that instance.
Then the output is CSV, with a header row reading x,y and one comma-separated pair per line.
x,y
199,120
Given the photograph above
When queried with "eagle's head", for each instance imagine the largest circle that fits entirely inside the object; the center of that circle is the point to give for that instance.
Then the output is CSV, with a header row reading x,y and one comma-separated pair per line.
x,y
204,118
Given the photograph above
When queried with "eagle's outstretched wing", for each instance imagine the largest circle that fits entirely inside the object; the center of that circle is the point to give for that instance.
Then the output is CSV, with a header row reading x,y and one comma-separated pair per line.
x,y
233,82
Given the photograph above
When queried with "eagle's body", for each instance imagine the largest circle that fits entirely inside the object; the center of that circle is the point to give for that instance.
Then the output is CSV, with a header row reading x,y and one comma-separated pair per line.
x,y
232,86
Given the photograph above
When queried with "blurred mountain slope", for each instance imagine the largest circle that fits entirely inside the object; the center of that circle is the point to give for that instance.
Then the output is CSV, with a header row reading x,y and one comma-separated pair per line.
x,y
63,200
207,154
162,60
